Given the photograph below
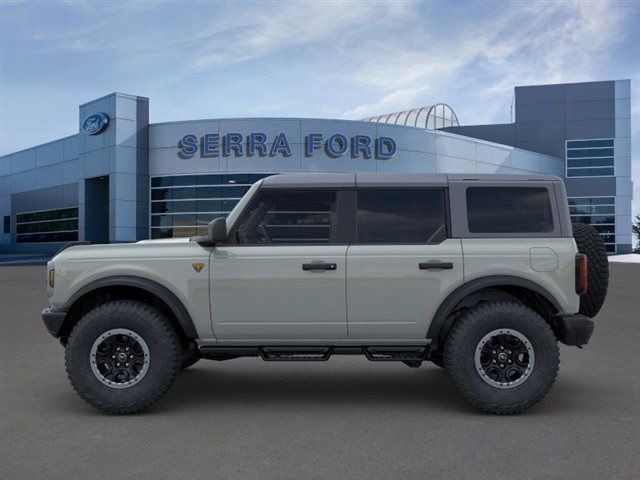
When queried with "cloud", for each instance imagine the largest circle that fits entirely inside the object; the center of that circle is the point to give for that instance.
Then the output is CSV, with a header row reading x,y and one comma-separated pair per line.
x,y
523,44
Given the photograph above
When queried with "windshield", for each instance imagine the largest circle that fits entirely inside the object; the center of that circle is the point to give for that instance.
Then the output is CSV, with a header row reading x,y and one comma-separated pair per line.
x,y
233,216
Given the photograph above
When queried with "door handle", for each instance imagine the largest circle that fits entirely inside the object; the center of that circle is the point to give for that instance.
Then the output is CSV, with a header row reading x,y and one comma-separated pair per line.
x,y
435,265
319,266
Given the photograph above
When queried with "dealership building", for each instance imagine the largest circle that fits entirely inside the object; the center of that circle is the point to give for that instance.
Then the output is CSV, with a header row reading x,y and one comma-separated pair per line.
x,y
121,178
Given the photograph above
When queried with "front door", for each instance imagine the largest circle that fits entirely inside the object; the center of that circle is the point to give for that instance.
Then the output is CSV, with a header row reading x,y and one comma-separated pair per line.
x,y
282,275
402,265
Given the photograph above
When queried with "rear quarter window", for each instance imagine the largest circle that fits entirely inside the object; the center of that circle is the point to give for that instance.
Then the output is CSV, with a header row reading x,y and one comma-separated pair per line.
x,y
509,210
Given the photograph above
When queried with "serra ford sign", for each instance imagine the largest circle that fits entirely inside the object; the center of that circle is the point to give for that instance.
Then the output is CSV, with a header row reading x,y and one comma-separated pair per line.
x,y
260,145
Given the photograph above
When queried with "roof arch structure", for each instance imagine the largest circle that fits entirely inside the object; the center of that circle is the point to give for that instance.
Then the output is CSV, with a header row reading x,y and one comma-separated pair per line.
x,y
429,117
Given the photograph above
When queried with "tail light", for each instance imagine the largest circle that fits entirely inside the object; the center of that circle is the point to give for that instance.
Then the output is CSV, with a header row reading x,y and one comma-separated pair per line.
x,y
582,281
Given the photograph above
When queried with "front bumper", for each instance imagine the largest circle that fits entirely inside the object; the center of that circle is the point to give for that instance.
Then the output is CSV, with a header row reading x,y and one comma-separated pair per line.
x,y
53,319
574,330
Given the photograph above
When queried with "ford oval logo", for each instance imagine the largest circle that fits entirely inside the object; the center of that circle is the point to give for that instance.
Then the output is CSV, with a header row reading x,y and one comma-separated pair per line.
x,y
95,123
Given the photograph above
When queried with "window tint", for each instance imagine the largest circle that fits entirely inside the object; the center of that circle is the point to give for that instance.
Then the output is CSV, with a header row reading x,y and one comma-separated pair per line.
x,y
401,216
289,217
509,210
7,224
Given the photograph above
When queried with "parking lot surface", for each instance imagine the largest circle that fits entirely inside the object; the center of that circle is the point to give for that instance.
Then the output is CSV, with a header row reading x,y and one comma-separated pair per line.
x,y
347,418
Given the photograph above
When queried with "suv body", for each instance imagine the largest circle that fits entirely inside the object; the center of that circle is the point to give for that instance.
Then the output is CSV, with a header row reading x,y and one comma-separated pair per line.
x,y
307,265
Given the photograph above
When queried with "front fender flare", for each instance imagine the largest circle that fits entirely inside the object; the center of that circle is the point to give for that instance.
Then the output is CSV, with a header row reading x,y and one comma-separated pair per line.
x,y
167,296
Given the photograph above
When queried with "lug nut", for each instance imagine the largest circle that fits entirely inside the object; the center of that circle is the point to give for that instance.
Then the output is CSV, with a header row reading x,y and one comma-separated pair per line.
x,y
118,364
501,366
113,356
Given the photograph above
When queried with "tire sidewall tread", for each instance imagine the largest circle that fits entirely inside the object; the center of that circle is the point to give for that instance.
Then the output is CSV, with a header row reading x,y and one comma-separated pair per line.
x,y
157,332
459,354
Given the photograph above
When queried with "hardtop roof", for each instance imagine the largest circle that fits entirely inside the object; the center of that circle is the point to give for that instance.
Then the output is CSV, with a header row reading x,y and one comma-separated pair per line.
x,y
345,180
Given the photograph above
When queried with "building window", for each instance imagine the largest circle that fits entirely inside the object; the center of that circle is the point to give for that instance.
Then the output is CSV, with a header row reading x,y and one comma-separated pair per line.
x,y
7,224
182,206
590,158
599,212
59,225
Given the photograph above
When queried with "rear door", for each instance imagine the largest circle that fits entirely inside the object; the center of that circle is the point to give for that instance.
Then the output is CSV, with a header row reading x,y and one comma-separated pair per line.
x,y
402,263
284,278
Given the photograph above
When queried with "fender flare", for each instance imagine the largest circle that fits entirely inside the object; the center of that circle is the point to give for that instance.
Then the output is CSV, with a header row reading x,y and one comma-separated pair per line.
x,y
440,321
163,293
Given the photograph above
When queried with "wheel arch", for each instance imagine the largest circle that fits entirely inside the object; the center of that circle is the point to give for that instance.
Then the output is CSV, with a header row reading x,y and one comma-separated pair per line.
x,y
542,300
128,286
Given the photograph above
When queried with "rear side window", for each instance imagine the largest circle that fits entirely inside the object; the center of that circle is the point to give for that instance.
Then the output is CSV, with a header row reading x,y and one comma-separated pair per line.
x,y
509,210
289,218
401,215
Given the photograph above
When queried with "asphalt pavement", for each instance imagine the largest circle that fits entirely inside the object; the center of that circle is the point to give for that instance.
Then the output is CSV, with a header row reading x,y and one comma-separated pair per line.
x,y
347,418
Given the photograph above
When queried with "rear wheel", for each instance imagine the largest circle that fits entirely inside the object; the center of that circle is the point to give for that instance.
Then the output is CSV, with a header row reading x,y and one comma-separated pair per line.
x,y
502,357
123,356
590,243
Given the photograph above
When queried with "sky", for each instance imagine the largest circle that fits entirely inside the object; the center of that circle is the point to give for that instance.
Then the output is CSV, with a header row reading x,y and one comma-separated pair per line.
x,y
301,59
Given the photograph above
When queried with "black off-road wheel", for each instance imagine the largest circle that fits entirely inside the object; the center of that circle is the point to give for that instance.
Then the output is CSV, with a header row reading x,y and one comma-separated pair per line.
x,y
502,357
123,356
590,243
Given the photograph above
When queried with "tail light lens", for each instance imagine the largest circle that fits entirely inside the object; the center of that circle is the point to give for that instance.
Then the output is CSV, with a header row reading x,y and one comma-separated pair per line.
x,y
582,281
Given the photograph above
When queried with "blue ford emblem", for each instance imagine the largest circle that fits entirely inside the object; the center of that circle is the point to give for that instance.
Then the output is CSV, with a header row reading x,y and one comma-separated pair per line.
x,y
95,123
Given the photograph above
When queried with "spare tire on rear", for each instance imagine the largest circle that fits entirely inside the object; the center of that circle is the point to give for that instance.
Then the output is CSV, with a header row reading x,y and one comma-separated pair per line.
x,y
590,243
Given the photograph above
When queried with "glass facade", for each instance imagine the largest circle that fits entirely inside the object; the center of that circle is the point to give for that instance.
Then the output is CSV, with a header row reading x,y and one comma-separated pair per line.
x,y
183,205
590,158
599,212
47,226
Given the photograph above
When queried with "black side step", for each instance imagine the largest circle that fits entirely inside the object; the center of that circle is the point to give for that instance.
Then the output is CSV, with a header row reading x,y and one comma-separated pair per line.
x,y
396,354
296,354
413,353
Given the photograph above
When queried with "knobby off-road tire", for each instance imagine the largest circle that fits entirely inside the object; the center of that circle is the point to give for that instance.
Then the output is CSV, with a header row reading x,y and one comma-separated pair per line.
x,y
591,244
145,328
465,339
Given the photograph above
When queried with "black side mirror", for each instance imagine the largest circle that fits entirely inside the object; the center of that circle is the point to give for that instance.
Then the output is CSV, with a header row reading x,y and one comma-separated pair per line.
x,y
217,230
216,233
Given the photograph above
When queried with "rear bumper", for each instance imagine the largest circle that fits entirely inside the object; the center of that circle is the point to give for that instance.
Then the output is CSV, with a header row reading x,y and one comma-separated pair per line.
x,y
53,320
574,330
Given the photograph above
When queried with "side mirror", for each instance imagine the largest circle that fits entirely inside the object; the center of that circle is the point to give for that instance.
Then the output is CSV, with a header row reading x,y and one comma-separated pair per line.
x,y
217,230
216,233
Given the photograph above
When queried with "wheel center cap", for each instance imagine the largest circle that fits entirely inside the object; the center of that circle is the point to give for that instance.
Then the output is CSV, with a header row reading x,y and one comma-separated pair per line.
x,y
502,357
122,357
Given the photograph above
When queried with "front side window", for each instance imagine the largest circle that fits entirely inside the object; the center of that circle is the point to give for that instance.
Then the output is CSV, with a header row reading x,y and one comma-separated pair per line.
x,y
509,210
401,215
282,217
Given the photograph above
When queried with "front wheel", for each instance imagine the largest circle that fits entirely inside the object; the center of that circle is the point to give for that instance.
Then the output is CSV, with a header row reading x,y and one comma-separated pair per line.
x,y
502,357
123,356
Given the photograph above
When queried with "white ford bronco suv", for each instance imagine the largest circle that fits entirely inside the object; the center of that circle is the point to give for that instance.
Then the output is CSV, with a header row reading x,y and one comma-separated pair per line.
x,y
479,274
